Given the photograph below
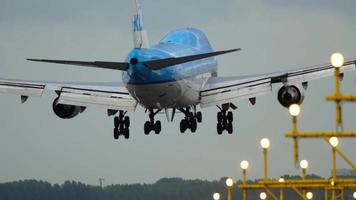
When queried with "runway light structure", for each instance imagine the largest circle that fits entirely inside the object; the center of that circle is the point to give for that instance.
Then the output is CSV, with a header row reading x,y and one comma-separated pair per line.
x,y
216,196
354,195
334,142
229,183
337,60
244,166
294,111
309,195
304,165
265,144
263,196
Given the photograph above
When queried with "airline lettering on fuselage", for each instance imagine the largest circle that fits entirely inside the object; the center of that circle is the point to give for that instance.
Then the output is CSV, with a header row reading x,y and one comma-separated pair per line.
x,y
137,23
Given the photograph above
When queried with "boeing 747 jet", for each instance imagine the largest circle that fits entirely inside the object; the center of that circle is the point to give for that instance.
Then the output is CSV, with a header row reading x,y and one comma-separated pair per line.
x,y
179,73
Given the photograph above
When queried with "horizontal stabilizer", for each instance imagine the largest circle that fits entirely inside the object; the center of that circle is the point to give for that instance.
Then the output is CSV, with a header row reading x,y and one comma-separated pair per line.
x,y
98,64
163,63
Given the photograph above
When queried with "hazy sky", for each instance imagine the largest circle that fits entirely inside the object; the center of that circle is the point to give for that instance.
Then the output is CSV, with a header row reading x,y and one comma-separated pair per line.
x,y
274,35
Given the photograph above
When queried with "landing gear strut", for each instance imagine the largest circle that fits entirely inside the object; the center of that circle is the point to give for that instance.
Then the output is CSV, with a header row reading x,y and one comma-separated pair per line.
x,y
152,125
121,125
190,120
225,119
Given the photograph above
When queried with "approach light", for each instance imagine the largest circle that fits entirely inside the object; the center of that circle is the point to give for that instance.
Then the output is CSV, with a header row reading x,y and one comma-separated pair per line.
x,y
244,165
265,143
304,164
263,196
337,60
334,141
281,180
309,195
216,196
229,182
294,110
354,195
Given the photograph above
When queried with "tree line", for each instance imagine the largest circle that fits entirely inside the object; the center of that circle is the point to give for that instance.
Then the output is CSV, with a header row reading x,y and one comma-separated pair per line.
x,y
163,189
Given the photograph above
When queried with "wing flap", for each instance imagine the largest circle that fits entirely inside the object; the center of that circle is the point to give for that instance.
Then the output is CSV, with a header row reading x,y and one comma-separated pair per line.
x,y
105,99
23,89
233,92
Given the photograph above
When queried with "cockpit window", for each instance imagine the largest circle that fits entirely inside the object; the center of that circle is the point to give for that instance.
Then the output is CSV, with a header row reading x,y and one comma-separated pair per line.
x,y
181,37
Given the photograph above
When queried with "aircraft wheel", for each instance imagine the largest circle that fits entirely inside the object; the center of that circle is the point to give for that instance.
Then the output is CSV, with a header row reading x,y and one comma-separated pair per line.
x,y
157,127
193,125
127,133
199,117
127,121
183,125
229,128
116,133
116,122
147,127
219,128
230,117
219,117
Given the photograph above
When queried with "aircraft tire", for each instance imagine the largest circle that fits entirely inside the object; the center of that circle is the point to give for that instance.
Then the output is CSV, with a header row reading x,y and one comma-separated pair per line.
x,y
116,134
157,127
183,125
116,122
127,122
147,127
219,128
230,117
199,117
127,133
193,125
219,117
229,128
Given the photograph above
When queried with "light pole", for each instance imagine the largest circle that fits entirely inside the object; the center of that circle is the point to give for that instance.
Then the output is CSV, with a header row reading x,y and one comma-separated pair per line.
x,y
229,184
281,195
216,196
265,144
244,166
334,142
309,195
337,60
263,196
304,165
294,110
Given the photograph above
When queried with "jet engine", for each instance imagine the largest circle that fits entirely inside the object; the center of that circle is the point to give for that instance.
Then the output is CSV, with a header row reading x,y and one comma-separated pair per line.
x,y
289,95
66,111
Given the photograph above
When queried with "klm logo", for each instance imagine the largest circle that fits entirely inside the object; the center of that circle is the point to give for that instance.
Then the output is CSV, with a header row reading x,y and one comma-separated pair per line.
x,y
137,24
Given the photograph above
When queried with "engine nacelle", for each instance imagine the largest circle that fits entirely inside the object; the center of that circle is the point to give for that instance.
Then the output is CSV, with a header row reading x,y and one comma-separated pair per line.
x,y
289,95
66,111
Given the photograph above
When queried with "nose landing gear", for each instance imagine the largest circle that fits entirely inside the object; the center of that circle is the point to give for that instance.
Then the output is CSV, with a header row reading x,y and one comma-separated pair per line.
x,y
121,126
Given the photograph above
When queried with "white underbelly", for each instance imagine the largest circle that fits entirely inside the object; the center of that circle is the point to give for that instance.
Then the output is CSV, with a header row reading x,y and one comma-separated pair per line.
x,y
176,94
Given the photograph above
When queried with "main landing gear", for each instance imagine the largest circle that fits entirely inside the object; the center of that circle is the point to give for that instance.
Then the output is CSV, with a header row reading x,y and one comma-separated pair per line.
x,y
152,125
225,119
190,120
122,125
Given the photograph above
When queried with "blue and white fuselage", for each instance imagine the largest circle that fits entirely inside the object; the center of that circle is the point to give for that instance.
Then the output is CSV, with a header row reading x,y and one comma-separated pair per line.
x,y
175,86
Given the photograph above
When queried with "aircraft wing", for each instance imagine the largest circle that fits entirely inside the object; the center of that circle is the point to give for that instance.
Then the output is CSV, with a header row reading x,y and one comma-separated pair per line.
x,y
110,96
220,90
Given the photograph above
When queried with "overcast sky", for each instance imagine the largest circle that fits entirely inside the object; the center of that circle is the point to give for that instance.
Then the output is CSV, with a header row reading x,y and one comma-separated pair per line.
x,y
274,35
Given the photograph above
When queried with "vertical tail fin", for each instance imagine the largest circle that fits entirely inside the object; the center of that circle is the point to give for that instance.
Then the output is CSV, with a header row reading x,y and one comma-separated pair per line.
x,y
139,32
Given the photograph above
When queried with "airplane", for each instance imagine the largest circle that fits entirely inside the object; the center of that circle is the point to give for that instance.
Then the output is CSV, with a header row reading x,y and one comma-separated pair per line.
x,y
178,73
